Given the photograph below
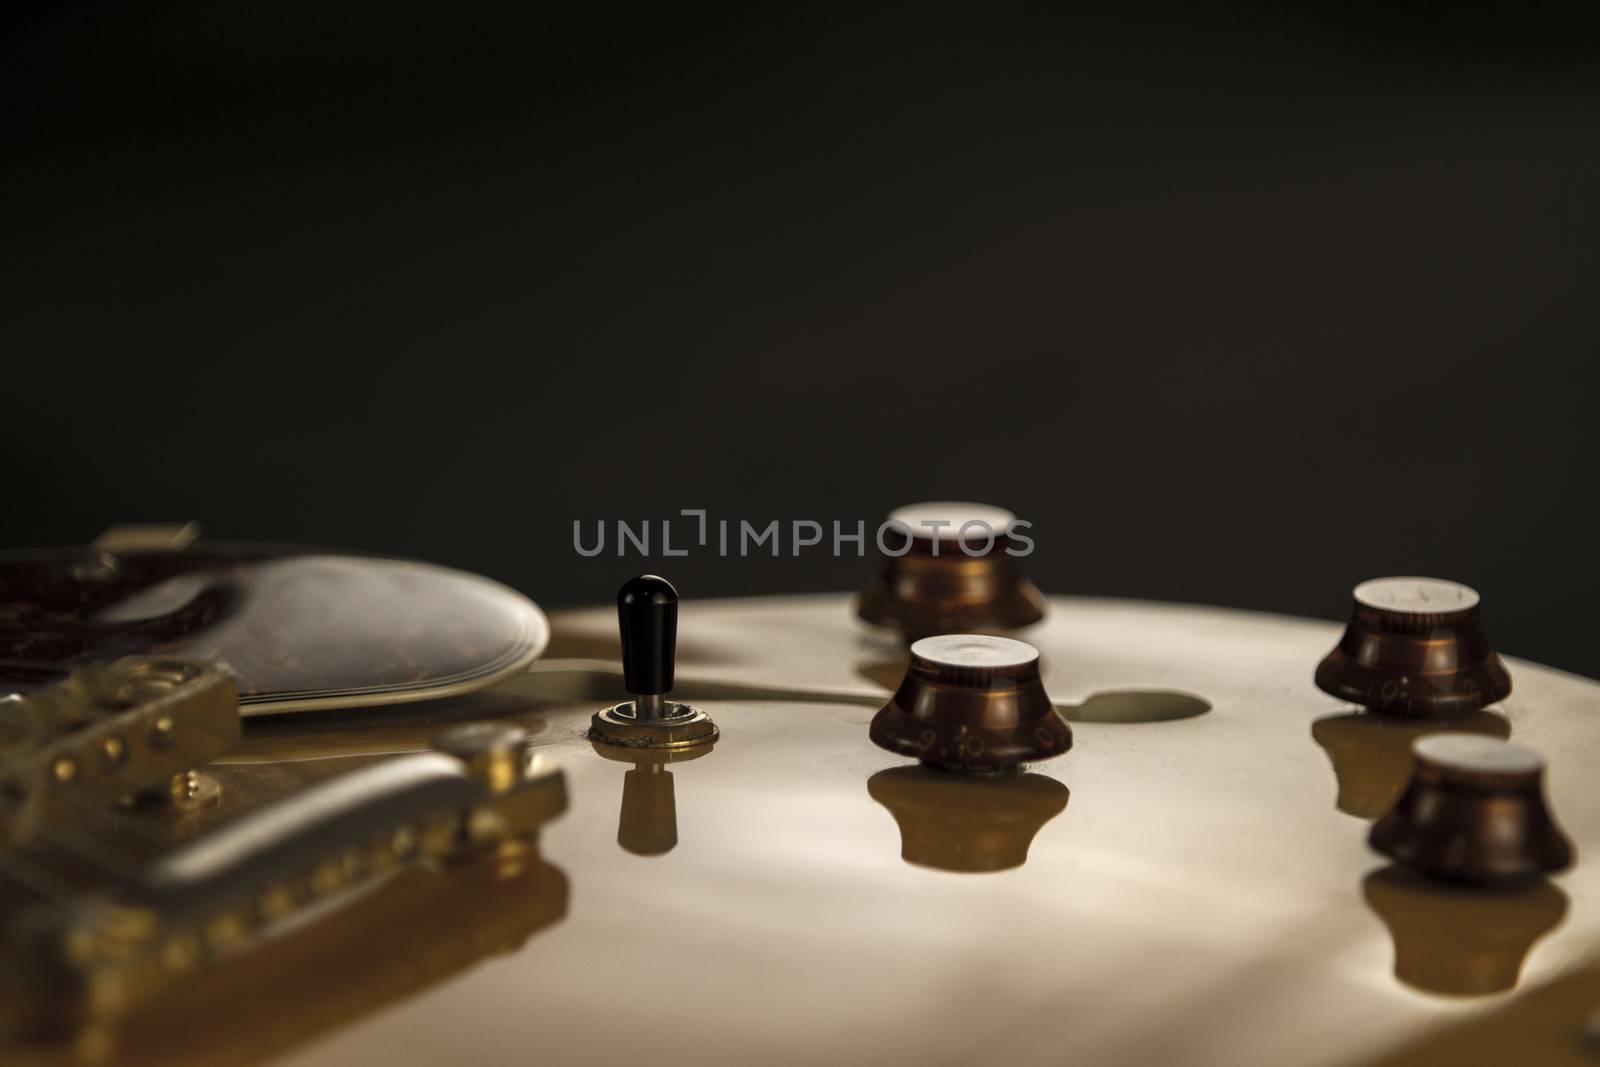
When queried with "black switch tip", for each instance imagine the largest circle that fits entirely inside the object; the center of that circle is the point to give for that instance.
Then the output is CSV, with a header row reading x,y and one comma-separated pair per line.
x,y
647,616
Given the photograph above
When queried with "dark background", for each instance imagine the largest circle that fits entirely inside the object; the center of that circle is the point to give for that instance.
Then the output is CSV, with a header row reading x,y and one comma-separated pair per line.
x,y
1235,306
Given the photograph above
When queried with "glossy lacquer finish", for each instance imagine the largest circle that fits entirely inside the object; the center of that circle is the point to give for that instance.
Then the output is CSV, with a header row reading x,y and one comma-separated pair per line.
x,y
1183,886
1180,887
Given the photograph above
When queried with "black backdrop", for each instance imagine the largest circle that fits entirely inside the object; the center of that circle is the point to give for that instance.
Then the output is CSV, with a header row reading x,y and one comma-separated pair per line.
x,y
1235,307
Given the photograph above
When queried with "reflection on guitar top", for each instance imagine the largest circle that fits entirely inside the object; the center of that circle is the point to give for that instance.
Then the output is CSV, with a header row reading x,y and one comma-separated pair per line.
x,y
967,824
336,968
1457,942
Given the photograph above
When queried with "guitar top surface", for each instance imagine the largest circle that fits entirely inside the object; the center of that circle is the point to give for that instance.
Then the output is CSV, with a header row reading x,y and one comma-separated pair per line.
x,y
1189,884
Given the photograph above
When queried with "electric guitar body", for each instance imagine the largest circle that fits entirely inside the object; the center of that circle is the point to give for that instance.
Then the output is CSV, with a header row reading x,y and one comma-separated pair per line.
x,y
369,870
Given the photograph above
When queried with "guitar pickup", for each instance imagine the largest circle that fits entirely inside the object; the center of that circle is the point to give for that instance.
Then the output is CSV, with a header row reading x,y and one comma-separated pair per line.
x,y
109,732
85,964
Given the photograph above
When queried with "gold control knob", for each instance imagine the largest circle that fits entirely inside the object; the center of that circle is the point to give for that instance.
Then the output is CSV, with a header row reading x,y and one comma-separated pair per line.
x,y
1415,646
972,702
1473,812
951,567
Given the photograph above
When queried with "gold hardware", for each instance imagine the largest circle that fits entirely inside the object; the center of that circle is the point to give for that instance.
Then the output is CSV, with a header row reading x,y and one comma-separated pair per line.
x,y
680,726
403,843
183,786
96,959
113,731
492,751
102,559
161,732
146,537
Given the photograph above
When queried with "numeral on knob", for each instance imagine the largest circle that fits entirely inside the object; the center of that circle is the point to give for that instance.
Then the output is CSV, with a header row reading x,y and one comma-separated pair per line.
x,y
1415,647
971,702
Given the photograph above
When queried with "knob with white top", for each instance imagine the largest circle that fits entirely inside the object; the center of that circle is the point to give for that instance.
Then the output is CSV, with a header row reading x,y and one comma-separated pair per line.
x,y
952,567
1473,812
1415,646
972,702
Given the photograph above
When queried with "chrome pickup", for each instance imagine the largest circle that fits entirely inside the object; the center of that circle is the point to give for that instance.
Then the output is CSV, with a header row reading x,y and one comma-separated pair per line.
x,y
109,732
84,964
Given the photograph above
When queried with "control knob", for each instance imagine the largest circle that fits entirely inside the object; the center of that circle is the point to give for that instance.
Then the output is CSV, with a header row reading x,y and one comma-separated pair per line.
x,y
972,702
1415,646
1473,812
951,567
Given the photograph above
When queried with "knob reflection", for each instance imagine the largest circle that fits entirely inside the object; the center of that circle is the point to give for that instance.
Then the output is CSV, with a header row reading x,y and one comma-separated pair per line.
x,y
1457,941
647,824
1371,753
953,822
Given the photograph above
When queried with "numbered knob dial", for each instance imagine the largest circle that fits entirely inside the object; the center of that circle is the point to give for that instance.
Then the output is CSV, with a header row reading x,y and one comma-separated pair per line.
x,y
1473,812
1415,646
972,702
952,567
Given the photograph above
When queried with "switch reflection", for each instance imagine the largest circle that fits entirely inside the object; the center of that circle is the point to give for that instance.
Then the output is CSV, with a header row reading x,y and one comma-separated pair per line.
x,y
647,824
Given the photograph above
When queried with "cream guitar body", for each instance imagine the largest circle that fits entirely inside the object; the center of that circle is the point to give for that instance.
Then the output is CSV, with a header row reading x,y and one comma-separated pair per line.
x,y
1189,884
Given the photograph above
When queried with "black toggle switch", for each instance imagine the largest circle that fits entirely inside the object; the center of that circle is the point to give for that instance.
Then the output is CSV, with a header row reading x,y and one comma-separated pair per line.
x,y
647,622
647,618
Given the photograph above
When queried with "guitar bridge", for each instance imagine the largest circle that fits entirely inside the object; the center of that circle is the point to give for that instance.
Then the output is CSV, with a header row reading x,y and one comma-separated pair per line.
x,y
108,733
85,963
